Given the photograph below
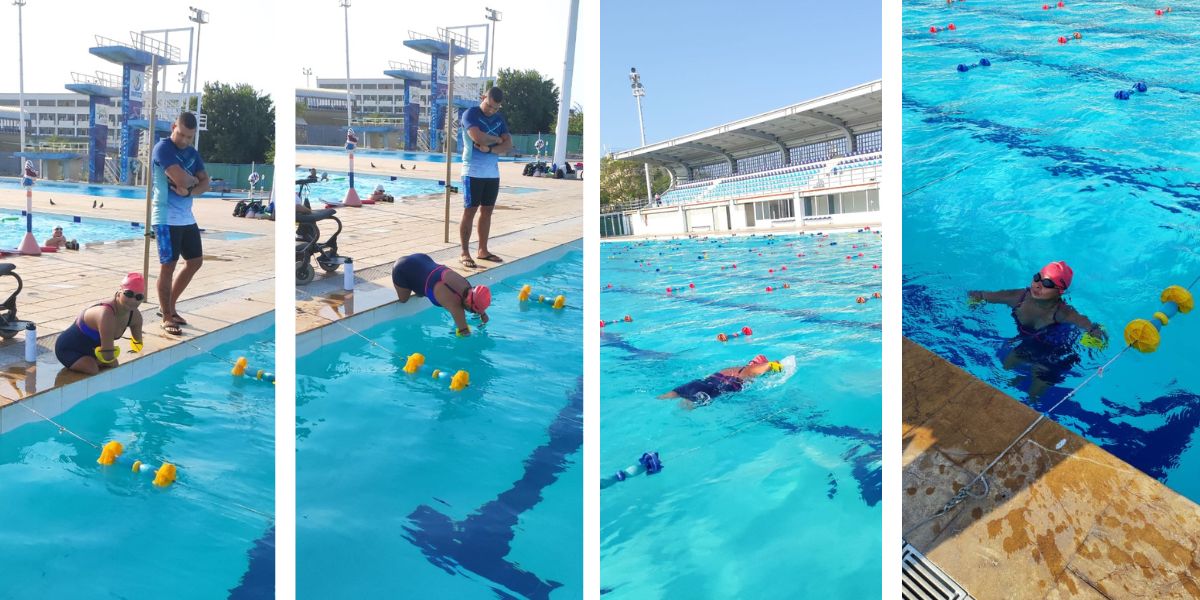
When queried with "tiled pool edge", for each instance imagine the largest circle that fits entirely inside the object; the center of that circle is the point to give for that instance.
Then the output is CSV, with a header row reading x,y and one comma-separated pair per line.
x,y
60,399
313,339
1084,507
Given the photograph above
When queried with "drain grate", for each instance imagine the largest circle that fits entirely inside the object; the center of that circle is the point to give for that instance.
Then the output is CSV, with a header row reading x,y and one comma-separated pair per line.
x,y
923,580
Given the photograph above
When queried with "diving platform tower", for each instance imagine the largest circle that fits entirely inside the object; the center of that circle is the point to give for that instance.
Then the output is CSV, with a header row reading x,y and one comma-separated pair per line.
x,y
438,48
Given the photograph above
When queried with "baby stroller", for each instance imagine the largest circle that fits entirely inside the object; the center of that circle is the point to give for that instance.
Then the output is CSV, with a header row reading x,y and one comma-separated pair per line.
x,y
308,243
10,325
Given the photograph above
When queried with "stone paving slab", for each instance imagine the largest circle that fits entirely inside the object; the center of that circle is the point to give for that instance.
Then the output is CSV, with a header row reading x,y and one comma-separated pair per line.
x,y
1063,518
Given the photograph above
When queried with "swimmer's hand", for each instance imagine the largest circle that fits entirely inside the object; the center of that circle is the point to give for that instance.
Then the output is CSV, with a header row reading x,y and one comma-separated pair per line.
x,y
776,367
1095,337
483,317
135,345
464,332
975,299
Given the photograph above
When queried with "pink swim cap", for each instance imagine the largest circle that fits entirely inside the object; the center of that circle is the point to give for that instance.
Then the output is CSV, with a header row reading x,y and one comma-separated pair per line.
x,y
758,360
134,282
480,297
1059,273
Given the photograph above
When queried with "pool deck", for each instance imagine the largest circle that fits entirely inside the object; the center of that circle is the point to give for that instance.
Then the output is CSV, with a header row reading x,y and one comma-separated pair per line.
x,y
236,283
1059,522
374,236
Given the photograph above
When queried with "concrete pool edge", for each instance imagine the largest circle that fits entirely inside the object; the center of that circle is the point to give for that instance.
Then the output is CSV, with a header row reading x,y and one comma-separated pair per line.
x,y
58,400
313,339
1062,517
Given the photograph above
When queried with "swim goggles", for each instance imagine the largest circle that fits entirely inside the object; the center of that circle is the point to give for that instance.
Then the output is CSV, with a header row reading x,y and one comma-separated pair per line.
x,y
135,296
1045,281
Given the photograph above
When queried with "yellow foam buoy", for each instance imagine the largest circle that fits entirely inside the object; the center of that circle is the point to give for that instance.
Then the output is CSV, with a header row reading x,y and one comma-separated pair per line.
x,y
1180,296
460,381
239,368
110,452
415,361
560,301
1142,335
523,295
165,475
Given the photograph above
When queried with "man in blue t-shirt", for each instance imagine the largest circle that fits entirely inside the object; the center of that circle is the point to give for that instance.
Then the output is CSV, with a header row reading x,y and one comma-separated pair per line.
x,y
179,176
485,137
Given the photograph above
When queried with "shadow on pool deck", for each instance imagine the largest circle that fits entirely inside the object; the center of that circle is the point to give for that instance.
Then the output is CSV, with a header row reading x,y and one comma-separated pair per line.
x,y
1069,522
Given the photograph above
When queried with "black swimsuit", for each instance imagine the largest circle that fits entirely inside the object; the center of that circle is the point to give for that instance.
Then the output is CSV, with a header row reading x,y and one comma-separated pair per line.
x,y
80,340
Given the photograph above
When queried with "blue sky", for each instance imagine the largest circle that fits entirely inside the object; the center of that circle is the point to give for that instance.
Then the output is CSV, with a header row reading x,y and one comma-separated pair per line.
x,y
704,63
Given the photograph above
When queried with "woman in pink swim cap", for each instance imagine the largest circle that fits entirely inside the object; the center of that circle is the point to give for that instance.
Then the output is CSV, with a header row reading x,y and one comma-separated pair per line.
x,y
89,343
700,392
418,274
1047,326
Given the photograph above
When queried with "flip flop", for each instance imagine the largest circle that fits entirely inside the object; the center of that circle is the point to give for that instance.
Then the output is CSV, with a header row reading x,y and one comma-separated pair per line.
x,y
175,317
468,262
171,328
491,258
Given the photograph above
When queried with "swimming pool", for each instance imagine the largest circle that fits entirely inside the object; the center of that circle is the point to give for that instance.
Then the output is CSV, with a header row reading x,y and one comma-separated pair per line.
x,y
1031,160
86,189
399,154
74,529
85,231
400,187
757,486
404,486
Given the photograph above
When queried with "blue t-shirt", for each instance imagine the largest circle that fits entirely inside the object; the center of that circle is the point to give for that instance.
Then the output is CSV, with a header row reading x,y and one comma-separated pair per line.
x,y
170,208
476,163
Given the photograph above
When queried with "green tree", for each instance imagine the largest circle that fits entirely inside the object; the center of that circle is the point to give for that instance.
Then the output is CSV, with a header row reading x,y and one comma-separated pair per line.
x,y
530,101
241,124
626,180
575,122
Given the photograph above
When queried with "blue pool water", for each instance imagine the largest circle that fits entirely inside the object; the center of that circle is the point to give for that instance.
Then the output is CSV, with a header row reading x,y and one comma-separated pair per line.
x,y
86,231
73,529
801,457
1009,167
397,154
401,187
85,189
407,489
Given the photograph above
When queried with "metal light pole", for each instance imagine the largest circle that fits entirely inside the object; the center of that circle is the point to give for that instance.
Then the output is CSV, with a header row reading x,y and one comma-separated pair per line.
x,y
20,4
351,198
307,72
494,16
561,137
199,17
29,244
635,81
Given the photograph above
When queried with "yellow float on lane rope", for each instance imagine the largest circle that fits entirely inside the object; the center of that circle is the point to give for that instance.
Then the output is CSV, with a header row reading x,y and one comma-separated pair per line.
x,y
1144,334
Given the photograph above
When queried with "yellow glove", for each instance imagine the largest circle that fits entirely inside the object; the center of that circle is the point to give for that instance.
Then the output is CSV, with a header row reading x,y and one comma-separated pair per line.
x,y
135,345
775,366
464,332
973,302
100,355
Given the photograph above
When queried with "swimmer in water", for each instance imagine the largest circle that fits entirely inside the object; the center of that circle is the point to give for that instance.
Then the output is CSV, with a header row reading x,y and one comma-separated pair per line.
x,y
1047,327
701,392
419,274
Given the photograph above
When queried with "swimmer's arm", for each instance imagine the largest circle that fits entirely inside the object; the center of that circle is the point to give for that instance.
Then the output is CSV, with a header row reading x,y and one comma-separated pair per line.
x,y
483,316
135,327
1072,316
107,349
402,294
460,320
1009,297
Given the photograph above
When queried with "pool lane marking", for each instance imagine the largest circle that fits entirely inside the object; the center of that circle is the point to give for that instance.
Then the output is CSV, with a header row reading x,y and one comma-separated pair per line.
x,y
808,316
1067,158
61,428
480,542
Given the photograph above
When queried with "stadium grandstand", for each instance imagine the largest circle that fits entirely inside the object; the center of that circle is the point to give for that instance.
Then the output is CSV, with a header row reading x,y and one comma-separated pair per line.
x,y
816,163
